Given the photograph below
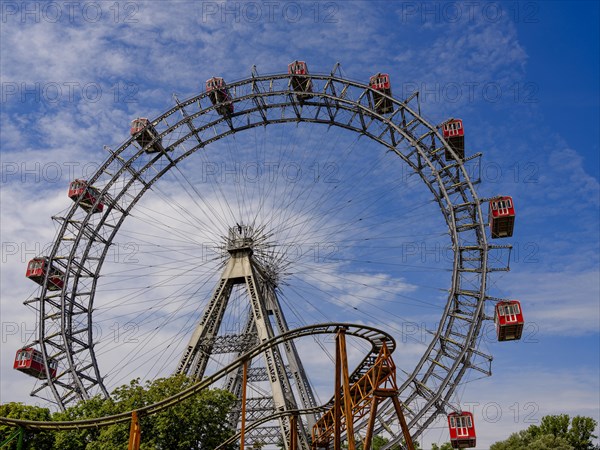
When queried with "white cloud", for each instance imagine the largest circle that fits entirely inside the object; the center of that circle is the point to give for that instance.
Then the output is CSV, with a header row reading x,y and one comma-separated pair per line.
x,y
517,397
567,165
561,303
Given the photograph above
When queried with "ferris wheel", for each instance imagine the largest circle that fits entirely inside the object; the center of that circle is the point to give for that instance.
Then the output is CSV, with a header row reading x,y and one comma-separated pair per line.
x,y
266,204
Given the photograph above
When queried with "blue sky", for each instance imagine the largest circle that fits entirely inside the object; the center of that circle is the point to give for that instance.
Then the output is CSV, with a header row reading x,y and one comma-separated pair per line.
x,y
522,75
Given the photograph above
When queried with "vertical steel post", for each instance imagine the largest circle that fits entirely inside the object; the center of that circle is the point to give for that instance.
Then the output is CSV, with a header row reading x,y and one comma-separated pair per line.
x,y
135,432
348,413
403,425
337,442
371,423
244,382
293,432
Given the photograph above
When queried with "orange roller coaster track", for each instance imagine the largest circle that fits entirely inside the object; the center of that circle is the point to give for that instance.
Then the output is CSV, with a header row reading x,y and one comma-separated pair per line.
x,y
354,401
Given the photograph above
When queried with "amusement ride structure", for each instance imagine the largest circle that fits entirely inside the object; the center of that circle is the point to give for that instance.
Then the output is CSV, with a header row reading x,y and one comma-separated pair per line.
x,y
202,311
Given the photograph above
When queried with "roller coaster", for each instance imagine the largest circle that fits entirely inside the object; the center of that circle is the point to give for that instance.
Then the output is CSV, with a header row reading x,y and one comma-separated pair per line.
x,y
369,381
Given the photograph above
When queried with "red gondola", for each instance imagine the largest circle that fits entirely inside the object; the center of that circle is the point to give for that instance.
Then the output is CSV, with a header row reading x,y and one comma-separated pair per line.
x,y
144,133
454,134
300,82
219,94
502,217
462,430
89,195
36,271
380,83
509,320
30,361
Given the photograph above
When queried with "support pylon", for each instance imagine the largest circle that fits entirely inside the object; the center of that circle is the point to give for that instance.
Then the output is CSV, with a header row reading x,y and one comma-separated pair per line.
x,y
348,417
355,401
286,376
135,432
294,433
244,384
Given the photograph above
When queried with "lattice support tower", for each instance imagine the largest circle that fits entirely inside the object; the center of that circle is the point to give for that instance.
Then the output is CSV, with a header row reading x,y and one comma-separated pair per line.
x,y
243,269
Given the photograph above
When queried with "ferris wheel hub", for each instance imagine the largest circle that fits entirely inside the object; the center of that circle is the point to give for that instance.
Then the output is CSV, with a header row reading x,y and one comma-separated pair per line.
x,y
241,237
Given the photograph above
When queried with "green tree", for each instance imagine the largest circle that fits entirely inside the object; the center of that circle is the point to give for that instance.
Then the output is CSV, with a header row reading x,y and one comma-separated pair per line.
x,y
445,446
199,422
378,442
557,426
556,432
549,442
581,433
81,439
31,440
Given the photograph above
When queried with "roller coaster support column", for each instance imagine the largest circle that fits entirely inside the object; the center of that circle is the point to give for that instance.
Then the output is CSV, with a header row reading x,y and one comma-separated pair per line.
x,y
135,432
379,395
243,426
403,425
349,418
361,398
294,432
371,423
337,404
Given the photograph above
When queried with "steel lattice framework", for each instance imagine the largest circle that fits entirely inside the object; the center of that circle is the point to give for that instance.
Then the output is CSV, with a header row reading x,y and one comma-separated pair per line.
x,y
242,268
83,239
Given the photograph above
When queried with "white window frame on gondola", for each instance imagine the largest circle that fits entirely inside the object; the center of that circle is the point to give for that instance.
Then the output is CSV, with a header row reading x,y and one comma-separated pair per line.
x,y
510,310
461,422
297,67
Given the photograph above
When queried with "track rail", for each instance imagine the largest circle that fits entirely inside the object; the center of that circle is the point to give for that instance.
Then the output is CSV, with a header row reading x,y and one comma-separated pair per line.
x,y
372,335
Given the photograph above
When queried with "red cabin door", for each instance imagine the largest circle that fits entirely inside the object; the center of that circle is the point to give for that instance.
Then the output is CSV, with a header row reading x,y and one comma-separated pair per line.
x,y
462,426
23,359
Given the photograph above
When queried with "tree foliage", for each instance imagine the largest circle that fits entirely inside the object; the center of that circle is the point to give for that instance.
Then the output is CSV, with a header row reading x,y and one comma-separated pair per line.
x,y
31,441
557,432
378,442
199,422
445,446
581,433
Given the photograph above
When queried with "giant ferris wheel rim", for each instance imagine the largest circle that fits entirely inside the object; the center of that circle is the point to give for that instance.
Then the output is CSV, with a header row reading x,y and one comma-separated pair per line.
x,y
337,95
